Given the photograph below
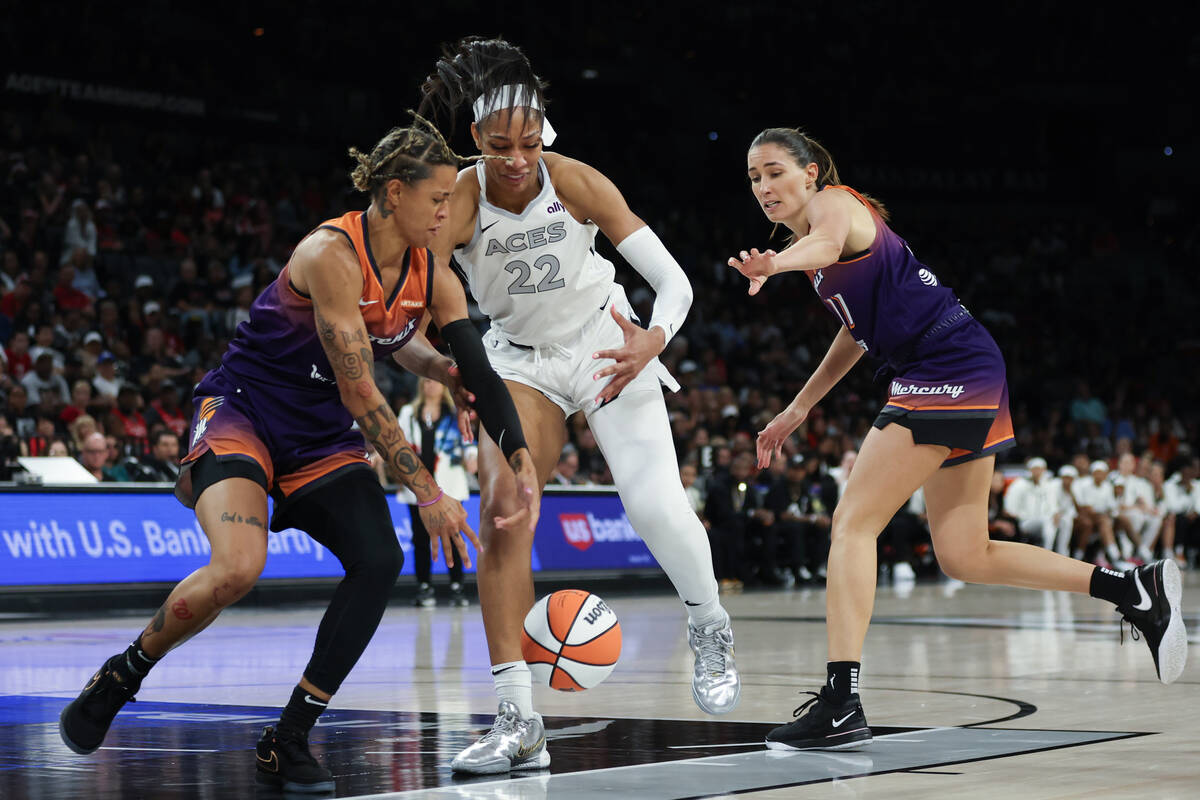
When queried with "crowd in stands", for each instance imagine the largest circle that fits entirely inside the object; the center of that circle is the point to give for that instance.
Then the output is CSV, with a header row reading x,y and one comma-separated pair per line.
x,y
122,280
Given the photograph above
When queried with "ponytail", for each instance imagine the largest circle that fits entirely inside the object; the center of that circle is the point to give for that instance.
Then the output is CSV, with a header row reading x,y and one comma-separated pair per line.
x,y
806,150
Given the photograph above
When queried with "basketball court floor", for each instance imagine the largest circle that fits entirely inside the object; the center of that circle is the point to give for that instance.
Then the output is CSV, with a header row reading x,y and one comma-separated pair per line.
x,y
971,691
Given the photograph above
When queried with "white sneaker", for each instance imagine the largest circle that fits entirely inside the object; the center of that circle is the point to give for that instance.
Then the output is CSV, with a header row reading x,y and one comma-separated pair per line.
x,y
514,743
716,685
902,572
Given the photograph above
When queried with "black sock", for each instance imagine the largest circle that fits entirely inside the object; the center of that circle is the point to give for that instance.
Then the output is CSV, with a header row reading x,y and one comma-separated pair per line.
x,y
300,714
1109,585
135,664
842,681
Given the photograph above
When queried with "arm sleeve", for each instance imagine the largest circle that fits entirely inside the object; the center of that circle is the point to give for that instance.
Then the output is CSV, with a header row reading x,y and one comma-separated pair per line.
x,y
493,402
672,290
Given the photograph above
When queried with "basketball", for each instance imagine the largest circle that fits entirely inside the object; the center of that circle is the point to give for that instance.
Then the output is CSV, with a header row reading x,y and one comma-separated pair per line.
x,y
571,640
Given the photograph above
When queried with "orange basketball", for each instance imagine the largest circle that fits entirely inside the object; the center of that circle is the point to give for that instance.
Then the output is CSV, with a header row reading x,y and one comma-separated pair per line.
x,y
571,641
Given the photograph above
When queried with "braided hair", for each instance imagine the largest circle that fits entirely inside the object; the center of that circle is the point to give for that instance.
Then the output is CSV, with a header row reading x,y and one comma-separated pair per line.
x,y
404,154
477,67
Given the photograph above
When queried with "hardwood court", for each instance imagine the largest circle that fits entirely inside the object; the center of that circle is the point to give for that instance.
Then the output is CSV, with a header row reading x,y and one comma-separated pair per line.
x,y
972,691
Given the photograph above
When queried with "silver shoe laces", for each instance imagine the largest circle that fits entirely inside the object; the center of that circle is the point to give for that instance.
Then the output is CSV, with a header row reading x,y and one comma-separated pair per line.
x,y
712,647
504,723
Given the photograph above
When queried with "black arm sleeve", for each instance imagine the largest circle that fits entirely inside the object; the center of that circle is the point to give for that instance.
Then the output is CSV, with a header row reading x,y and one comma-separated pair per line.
x,y
493,402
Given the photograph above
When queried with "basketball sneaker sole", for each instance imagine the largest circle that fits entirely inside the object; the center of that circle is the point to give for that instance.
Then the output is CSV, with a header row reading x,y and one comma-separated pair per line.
x,y
1172,649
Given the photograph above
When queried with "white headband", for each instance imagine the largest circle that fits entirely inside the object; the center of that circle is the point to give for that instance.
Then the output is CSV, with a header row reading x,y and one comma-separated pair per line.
x,y
512,96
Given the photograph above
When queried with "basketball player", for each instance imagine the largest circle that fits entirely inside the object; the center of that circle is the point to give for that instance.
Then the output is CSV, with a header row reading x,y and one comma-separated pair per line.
x,y
945,420
522,227
277,417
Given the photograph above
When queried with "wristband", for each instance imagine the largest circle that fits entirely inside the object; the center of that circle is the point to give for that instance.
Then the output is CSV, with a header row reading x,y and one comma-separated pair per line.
x,y
428,503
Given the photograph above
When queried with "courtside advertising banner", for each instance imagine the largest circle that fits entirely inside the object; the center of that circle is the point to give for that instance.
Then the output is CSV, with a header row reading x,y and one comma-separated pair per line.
x,y
86,537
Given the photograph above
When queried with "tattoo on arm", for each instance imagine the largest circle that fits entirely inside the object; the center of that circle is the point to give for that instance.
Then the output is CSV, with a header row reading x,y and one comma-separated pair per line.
x,y
356,368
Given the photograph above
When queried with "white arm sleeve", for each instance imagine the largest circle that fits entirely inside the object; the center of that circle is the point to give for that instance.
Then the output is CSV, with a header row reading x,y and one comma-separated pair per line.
x,y
646,253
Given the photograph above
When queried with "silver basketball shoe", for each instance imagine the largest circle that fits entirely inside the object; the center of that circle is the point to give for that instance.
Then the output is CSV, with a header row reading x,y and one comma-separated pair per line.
x,y
716,685
514,743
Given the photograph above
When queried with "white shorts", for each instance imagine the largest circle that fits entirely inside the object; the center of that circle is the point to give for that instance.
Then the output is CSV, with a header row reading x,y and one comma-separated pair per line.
x,y
563,371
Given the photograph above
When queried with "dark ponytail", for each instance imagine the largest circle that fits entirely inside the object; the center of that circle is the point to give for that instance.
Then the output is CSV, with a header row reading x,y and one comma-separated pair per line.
x,y
477,67
806,150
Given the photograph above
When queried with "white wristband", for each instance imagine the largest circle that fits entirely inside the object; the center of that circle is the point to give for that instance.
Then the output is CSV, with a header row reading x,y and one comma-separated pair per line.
x,y
646,253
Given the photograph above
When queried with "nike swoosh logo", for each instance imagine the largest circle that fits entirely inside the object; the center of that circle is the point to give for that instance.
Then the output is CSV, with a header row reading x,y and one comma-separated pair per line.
x,y
362,302
1144,604
837,723
314,701
832,678
484,228
270,764
506,669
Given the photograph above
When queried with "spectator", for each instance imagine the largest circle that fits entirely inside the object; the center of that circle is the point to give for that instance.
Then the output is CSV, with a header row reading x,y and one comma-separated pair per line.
x,y
1096,503
1065,511
17,412
430,422
163,462
80,232
81,401
95,457
687,476
20,362
733,508
566,471
1001,525
83,427
44,343
1030,502
66,296
1183,501
43,377
165,410
106,383
1137,515
58,449
127,422
15,303
800,534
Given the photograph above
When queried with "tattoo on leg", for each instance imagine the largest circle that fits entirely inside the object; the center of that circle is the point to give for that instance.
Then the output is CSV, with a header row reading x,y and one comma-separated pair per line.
x,y
160,619
180,610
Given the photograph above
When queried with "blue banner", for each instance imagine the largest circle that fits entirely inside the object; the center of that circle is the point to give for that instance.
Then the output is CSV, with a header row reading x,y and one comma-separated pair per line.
x,y
52,537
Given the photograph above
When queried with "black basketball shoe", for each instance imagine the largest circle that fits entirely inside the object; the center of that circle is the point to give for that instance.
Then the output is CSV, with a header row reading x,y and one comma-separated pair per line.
x,y
1156,613
820,725
285,762
86,719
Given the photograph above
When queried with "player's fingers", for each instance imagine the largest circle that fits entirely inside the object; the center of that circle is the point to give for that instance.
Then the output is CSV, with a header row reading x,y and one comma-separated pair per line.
x,y
745,256
470,534
435,547
448,547
464,426
754,252
515,522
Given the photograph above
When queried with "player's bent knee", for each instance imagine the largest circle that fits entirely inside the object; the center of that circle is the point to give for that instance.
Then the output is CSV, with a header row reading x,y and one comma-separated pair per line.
x,y
233,579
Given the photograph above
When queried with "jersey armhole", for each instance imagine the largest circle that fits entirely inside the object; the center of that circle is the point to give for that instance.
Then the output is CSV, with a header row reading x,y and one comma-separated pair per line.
x,y
429,264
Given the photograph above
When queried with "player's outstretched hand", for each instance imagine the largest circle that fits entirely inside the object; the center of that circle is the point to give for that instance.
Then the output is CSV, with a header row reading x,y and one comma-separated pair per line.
x,y
464,403
631,358
446,521
772,437
529,496
755,266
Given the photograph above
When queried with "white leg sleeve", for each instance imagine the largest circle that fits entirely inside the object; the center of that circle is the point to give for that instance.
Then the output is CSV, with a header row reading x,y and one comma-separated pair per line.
x,y
634,434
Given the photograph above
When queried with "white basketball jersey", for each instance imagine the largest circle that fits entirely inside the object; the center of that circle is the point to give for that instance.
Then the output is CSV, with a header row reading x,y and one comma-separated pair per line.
x,y
536,274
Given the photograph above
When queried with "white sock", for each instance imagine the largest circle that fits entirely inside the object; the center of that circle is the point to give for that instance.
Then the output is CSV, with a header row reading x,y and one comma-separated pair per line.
x,y
1113,553
702,614
514,683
